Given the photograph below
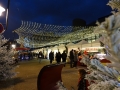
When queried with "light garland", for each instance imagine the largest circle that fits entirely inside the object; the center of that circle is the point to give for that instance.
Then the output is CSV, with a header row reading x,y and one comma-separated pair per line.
x,y
39,34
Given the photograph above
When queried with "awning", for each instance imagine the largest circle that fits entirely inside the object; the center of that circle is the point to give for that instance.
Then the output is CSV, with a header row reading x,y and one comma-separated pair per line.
x,y
21,48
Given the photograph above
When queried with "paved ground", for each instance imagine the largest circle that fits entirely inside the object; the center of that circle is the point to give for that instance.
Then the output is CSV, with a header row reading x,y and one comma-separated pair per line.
x,y
26,79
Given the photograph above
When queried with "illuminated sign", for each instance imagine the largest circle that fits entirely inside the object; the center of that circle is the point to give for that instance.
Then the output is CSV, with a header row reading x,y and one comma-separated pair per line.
x,y
93,49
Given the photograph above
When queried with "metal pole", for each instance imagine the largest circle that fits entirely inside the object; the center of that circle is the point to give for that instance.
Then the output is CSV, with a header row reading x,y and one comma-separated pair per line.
x,y
7,12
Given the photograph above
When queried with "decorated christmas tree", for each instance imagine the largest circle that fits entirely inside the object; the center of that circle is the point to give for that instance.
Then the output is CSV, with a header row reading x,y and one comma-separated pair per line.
x,y
107,77
6,59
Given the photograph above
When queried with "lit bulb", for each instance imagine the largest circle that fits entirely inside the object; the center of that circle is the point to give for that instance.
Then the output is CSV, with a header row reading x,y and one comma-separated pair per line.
x,y
13,45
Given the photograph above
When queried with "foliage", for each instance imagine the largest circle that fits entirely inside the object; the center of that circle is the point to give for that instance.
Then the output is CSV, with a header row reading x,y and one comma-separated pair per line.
x,y
6,61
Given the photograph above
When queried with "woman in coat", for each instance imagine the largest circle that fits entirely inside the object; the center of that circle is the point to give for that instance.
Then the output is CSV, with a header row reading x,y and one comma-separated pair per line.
x,y
82,83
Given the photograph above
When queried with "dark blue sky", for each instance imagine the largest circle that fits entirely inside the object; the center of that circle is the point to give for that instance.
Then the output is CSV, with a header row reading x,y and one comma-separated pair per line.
x,y
57,12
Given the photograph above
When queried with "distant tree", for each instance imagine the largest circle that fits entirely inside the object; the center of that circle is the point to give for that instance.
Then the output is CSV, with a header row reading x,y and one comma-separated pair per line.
x,y
78,23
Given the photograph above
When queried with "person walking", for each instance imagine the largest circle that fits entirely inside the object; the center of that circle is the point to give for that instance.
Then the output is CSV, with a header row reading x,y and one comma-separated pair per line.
x,y
58,57
51,57
40,56
64,56
75,58
82,82
71,58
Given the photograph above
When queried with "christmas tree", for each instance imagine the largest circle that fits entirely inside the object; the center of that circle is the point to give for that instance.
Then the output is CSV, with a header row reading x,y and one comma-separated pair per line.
x,y
6,59
107,77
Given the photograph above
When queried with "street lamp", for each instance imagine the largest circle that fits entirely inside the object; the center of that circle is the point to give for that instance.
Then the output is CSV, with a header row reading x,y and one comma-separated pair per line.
x,y
1,10
7,11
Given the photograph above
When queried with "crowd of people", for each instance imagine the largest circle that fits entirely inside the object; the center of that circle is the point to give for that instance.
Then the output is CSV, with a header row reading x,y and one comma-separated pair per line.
x,y
58,56
21,56
74,56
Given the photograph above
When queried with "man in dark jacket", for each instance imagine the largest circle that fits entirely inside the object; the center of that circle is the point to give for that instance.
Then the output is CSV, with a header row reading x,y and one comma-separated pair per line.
x,y
51,57
71,58
40,56
64,56
58,57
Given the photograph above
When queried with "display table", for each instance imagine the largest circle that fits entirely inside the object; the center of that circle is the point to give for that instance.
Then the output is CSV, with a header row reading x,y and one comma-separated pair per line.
x,y
49,76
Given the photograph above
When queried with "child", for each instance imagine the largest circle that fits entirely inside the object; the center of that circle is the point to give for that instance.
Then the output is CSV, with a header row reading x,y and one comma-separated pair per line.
x,y
82,83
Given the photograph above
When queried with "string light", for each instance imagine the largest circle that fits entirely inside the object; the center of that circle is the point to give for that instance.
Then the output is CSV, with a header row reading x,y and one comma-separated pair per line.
x,y
45,34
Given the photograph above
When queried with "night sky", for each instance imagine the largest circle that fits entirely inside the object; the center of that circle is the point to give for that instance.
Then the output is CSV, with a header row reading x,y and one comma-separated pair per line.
x,y
55,12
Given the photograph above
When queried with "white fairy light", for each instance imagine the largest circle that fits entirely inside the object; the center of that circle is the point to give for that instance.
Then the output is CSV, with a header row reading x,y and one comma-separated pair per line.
x,y
13,46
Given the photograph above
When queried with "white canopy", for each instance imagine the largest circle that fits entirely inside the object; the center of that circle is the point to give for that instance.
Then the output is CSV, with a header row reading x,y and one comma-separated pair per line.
x,y
61,46
81,43
92,47
70,45
54,48
95,43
